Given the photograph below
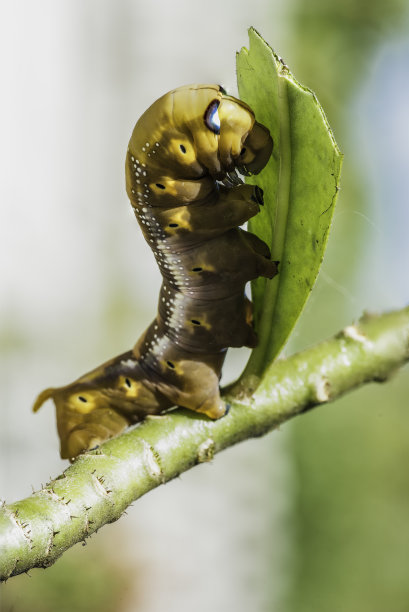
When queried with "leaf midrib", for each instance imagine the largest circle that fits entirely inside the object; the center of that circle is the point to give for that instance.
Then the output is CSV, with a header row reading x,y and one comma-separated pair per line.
x,y
265,330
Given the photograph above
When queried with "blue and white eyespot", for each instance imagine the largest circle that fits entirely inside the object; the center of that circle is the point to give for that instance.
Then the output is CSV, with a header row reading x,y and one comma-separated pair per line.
x,y
211,117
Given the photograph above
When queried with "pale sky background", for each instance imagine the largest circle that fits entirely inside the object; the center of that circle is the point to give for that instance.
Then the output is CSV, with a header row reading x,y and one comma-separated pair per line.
x,y
75,77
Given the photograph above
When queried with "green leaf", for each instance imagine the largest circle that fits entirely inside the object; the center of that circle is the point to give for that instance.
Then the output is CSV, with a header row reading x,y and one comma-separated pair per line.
x,y
300,184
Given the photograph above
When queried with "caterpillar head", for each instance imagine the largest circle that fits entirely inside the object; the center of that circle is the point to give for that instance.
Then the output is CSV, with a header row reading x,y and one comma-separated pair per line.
x,y
224,131
186,140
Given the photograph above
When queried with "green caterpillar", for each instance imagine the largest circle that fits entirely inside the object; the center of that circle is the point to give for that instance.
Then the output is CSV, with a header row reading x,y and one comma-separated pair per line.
x,y
189,201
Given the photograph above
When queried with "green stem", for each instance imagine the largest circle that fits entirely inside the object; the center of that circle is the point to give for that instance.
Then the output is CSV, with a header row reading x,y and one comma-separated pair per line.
x,y
100,485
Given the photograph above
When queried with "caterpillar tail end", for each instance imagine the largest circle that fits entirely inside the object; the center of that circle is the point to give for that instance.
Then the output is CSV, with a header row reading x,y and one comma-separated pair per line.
x,y
43,397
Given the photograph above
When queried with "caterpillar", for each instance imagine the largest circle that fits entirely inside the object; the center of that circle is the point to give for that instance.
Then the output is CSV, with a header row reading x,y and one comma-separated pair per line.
x,y
182,180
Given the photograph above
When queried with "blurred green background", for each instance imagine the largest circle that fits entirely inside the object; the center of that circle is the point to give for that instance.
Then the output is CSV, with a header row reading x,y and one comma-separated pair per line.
x,y
310,518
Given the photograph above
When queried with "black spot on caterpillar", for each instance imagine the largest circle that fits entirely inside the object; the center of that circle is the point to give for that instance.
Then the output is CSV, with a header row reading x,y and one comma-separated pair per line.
x,y
182,181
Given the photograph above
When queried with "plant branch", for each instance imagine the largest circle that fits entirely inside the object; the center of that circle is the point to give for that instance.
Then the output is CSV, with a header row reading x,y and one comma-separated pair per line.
x,y
97,488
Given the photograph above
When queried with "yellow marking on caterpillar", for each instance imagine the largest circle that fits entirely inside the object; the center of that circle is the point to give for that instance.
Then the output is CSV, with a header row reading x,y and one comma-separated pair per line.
x,y
131,387
169,186
182,148
201,321
82,402
204,268
172,366
178,220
